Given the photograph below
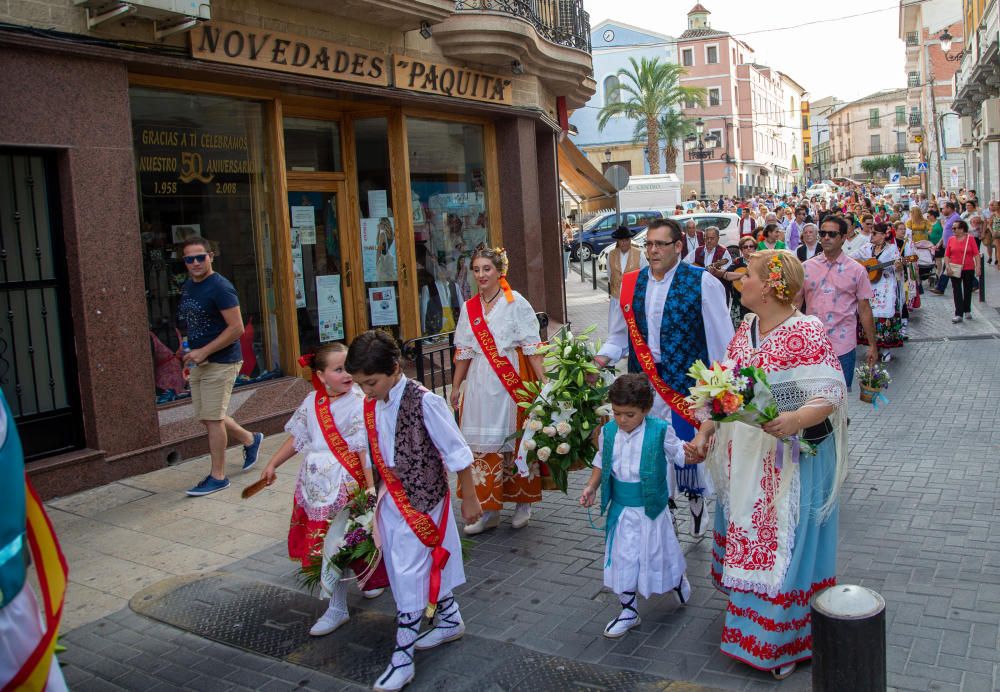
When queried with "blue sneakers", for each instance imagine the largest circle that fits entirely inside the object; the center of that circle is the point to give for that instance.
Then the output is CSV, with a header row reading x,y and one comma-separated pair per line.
x,y
252,451
208,486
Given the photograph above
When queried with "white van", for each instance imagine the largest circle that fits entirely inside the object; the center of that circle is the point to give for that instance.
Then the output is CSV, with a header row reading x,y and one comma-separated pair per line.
x,y
651,192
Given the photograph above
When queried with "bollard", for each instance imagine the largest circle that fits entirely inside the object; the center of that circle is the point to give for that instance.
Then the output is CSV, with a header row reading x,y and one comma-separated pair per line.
x,y
982,278
593,270
848,629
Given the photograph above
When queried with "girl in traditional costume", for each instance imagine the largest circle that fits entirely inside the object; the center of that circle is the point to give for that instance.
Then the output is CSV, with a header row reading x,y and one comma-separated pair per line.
x,y
887,303
499,321
335,465
776,521
414,443
633,467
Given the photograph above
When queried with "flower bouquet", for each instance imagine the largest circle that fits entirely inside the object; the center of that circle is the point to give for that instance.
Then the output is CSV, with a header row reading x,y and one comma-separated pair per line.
x,y
724,393
349,545
873,379
566,411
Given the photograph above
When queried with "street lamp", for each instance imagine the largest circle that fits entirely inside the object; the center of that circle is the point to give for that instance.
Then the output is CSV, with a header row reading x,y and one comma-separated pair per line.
x,y
607,155
699,151
946,40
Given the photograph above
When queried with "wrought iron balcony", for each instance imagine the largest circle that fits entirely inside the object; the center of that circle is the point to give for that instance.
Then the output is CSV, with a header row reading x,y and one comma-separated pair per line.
x,y
563,22
875,149
915,120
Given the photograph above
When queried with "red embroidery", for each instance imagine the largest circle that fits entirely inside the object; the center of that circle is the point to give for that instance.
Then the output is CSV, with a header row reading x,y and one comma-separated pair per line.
x,y
720,540
765,651
767,623
805,343
750,553
799,597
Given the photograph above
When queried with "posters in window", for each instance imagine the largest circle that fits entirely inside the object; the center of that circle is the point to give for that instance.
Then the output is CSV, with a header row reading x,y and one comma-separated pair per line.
x,y
378,203
304,221
378,249
382,301
182,232
330,308
297,271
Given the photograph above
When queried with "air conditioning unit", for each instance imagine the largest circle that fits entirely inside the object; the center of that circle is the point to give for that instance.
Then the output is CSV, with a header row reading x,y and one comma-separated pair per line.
x,y
965,130
168,16
991,119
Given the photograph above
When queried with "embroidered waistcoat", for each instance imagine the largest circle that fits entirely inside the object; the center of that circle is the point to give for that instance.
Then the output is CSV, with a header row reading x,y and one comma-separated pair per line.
x,y
682,331
419,465
652,466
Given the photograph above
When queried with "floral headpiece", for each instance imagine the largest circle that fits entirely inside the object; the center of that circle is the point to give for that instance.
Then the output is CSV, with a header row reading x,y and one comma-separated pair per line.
x,y
776,278
306,360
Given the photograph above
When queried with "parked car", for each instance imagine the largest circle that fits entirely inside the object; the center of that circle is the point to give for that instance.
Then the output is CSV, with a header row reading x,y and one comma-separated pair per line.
x,y
821,191
596,233
726,223
899,195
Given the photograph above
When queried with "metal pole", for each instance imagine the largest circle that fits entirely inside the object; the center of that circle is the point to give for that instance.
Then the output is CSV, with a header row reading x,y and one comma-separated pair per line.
x,y
930,75
982,277
593,270
701,164
848,627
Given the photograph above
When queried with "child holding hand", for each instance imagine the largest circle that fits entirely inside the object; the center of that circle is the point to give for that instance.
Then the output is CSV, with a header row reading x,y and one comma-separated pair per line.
x,y
636,453
335,465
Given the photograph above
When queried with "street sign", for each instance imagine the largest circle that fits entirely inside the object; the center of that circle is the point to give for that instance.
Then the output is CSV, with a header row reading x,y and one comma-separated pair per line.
x,y
617,176
922,167
894,179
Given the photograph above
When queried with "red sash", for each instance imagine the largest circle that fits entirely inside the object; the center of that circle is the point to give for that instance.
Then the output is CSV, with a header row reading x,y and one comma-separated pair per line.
x,y
421,524
338,445
501,365
53,573
675,401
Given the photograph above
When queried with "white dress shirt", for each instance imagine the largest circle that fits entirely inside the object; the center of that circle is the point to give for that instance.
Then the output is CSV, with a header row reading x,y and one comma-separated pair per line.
x,y
709,254
714,313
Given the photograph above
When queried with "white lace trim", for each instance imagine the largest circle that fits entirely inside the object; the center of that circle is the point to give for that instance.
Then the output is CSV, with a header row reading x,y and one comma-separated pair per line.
x,y
298,427
465,354
512,325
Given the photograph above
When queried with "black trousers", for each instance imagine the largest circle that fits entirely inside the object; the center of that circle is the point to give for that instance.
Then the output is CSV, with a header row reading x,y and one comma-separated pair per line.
x,y
961,289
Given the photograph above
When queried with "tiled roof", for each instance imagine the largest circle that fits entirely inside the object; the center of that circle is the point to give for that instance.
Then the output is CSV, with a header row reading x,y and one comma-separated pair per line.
x,y
699,8
702,33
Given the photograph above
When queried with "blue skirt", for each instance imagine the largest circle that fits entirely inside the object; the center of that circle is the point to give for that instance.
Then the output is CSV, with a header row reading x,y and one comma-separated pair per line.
x,y
766,632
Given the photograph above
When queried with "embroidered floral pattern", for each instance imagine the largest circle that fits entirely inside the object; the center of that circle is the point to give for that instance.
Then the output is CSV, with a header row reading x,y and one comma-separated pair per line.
x,y
419,465
765,651
767,623
786,347
757,552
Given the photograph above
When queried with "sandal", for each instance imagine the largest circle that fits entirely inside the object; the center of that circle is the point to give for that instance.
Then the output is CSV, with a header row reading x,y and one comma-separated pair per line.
x,y
782,672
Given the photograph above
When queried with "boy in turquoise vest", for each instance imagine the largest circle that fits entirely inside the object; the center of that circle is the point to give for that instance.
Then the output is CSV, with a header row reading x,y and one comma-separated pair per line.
x,y
635,453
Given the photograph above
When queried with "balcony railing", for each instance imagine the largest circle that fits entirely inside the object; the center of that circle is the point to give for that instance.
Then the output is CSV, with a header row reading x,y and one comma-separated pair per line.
x,y
915,120
912,39
900,148
561,21
875,149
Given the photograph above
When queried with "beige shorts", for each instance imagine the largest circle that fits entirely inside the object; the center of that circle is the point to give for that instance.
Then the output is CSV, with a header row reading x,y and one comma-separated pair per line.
x,y
211,387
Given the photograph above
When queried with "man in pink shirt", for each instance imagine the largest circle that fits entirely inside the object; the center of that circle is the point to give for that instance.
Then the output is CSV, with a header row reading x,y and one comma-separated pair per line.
x,y
837,291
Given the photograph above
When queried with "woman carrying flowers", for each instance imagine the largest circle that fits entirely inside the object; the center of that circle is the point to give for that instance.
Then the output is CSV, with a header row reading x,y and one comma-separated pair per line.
x,y
776,523
328,428
496,349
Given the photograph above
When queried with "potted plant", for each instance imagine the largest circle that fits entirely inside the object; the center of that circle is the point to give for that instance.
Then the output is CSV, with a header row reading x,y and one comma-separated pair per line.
x,y
873,379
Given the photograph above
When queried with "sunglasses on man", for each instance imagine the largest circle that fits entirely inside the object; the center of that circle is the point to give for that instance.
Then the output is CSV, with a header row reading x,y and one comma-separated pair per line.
x,y
828,234
191,259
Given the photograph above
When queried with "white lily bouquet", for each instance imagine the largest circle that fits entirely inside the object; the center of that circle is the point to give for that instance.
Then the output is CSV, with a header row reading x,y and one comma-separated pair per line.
x,y
565,411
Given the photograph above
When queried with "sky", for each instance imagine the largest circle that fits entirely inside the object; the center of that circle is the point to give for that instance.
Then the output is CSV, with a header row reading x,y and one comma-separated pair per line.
x,y
847,58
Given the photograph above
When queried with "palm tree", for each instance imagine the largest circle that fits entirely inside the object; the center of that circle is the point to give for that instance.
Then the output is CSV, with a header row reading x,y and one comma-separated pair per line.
x,y
673,127
646,92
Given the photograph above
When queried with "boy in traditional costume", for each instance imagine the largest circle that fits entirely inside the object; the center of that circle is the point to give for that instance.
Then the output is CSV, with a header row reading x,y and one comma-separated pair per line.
x,y
414,442
632,467
327,428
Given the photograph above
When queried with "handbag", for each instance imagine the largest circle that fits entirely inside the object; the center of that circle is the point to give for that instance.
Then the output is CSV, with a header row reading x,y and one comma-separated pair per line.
x,y
955,269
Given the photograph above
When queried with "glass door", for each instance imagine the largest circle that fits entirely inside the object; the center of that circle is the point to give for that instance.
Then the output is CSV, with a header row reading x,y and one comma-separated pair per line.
x,y
321,265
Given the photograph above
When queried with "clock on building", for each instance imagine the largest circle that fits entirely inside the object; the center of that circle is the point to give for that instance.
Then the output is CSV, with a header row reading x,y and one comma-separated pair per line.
x,y
609,36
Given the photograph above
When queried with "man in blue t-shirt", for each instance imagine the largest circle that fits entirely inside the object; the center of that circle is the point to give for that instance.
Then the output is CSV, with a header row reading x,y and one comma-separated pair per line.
x,y
210,312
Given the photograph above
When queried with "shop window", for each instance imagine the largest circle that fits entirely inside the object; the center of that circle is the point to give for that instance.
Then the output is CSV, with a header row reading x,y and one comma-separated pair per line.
x,y
379,246
448,189
312,145
201,166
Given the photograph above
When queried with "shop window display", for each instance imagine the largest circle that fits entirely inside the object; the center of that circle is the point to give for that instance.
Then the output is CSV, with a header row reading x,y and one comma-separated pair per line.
x,y
200,164
448,190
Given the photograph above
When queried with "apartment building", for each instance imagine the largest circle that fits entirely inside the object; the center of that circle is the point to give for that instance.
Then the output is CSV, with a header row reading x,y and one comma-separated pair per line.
x,y
930,78
872,126
977,94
